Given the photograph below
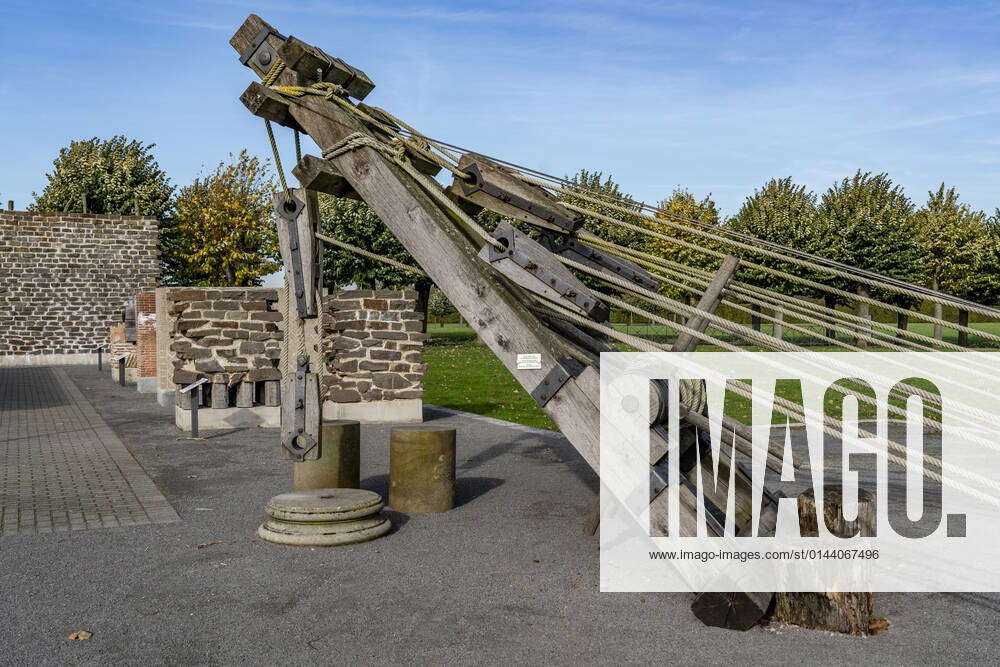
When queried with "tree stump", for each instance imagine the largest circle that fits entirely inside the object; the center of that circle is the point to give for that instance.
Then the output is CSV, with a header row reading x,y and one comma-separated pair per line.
x,y
847,613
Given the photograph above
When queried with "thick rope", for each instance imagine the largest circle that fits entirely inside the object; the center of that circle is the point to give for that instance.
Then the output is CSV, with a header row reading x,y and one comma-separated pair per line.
x,y
786,276
913,291
370,255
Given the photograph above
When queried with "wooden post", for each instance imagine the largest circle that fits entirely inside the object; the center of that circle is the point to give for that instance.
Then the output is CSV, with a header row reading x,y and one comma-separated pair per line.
x,y
709,301
220,395
963,321
862,310
830,301
779,330
848,613
182,398
272,393
755,317
339,465
938,311
902,323
422,469
244,394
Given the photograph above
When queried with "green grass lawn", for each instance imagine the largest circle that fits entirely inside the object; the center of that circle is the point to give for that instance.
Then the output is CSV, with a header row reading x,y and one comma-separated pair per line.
x,y
464,375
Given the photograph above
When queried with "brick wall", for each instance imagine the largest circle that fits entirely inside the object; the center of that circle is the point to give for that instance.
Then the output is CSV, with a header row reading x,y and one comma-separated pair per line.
x,y
372,344
231,336
145,321
64,278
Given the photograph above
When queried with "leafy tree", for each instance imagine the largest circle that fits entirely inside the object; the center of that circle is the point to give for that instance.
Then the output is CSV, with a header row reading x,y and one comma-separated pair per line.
x,y
955,241
353,222
223,232
117,176
865,221
679,206
607,189
356,223
438,305
780,212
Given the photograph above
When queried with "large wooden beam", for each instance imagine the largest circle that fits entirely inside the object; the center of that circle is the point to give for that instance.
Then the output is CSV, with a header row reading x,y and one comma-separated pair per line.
x,y
450,259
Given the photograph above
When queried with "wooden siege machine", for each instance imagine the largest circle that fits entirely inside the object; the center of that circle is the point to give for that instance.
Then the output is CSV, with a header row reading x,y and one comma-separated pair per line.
x,y
518,293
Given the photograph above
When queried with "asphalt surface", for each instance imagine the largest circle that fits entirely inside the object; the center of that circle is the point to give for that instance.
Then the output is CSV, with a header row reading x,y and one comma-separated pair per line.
x,y
506,577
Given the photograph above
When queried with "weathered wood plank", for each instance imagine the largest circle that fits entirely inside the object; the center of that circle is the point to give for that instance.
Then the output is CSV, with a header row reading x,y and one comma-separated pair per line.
x,y
503,323
710,300
315,173
314,64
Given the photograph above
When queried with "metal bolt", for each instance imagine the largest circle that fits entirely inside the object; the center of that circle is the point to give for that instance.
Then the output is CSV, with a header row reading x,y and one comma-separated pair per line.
x,y
264,57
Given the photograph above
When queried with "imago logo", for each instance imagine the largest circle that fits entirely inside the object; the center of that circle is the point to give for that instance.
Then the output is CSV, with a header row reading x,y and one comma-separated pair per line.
x,y
799,471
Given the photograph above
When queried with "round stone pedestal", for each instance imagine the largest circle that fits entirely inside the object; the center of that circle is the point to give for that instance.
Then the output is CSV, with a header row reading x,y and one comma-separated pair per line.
x,y
324,517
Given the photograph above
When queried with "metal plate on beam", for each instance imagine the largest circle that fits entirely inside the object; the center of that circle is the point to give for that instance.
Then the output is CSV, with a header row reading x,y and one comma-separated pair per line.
x,y
555,379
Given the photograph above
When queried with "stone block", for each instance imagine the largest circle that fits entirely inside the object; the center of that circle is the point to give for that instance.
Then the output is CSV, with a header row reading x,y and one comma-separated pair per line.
x,y
373,365
389,381
375,304
263,374
345,396
208,366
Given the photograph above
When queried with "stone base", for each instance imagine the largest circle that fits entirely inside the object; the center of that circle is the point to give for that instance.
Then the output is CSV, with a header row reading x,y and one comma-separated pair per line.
x,y
399,411
209,418
78,359
131,374
146,385
165,397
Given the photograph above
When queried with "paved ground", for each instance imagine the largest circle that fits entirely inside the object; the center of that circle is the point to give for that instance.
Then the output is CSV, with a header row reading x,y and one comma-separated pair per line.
x,y
61,467
505,577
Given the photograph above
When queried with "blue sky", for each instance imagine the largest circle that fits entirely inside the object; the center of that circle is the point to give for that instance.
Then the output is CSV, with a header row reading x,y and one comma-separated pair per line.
x,y
712,96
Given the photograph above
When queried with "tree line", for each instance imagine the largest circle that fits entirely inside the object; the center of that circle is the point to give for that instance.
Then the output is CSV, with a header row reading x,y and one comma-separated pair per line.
x,y
218,229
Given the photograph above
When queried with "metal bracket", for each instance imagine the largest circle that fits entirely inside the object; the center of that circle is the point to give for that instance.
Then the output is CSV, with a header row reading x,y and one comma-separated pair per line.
x,y
551,384
289,210
262,53
476,182
586,301
600,259
299,442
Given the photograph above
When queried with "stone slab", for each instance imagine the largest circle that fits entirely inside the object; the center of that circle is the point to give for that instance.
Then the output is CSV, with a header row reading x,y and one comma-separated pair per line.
x,y
76,359
399,411
212,419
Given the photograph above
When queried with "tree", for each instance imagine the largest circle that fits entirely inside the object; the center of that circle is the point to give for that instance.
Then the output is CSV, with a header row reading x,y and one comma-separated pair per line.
x,y
606,189
354,222
223,232
439,306
117,176
679,209
865,221
780,212
954,240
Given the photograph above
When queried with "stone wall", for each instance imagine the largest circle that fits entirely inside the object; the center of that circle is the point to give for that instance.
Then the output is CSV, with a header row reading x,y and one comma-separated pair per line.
x,y
373,343
235,338
64,278
227,335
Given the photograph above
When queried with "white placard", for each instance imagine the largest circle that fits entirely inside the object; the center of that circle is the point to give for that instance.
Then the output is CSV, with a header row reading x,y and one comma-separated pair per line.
x,y
529,362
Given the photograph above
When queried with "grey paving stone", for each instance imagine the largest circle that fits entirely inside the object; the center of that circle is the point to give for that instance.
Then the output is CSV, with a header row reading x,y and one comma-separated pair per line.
x,y
61,466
